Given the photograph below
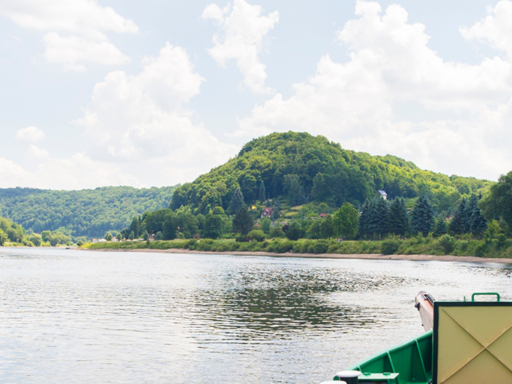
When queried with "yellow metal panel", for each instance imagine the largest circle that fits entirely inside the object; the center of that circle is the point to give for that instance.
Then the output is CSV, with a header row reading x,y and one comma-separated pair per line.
x,y
502,349
474,345
484,369
456,347
483,323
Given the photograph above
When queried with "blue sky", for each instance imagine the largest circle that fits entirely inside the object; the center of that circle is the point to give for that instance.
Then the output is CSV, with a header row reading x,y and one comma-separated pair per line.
x,y
155,93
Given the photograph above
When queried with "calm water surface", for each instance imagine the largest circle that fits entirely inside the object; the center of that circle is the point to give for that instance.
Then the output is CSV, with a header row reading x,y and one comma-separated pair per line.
x,y
82,317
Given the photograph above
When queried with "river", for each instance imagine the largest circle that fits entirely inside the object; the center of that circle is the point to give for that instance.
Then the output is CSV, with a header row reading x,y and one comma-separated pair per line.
x,y
110,317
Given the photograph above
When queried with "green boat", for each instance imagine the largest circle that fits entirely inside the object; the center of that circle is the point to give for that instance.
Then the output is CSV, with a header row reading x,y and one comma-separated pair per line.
x,y
466,342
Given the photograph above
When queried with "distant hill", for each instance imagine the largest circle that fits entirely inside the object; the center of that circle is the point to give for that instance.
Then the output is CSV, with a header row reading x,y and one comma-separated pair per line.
x,y
80,213
298,167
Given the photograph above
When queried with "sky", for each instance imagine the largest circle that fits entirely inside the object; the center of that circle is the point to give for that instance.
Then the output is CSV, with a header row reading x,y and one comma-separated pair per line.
x,y
120,92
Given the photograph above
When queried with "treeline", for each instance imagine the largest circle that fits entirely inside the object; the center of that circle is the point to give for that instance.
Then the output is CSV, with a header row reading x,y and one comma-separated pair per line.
x,y
297,168
80,213
12,234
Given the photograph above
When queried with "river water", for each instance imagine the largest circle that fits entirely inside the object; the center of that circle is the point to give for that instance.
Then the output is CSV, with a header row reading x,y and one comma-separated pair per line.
x,y
81,317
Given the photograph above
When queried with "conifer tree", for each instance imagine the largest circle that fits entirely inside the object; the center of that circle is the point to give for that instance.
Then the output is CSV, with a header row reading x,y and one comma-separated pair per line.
x,y
422,216
277,209
459,221
478,222
262,191
242,222
135,227
398,222
471,206
441,227
377,217
362,228
237,200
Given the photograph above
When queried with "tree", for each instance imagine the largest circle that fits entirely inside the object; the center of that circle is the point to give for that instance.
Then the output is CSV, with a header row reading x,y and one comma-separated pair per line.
x,y
3,237
146,235
346,220
295,232
132,235
135,227
362,228
265,225
170,227
119,236
108,236
460,223
441,227
422,216
213,226
327,228
159,236
46,236
398,221
314,230
277,231
478,222
499,201
292,188
277,209
262,191
242,222
375,217
237,200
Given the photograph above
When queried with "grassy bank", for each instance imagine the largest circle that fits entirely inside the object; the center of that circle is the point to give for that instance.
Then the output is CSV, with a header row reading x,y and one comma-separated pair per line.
x,y
413,246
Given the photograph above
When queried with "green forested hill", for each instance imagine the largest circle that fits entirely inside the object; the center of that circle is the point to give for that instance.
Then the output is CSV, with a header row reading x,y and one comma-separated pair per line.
x,y
298,167
80,213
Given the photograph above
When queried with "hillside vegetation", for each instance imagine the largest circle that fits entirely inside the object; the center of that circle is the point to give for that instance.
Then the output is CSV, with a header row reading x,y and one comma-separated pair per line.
x,y
80,213
298,168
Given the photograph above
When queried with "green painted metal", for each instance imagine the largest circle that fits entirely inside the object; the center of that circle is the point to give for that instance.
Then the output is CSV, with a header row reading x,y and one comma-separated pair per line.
x,y
486,294
407,363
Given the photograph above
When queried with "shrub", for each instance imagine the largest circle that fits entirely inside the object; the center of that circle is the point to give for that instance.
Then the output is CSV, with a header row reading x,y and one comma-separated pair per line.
x,y
501,239
320,246
277,231
285,246
388,247
205,244
448,243
480,250
242,239
190,244
462,245
256,234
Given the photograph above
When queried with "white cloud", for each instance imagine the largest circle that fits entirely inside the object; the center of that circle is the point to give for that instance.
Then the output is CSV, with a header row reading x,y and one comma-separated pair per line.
x,y
38,153
244,29
495,29
30,134
71,50
390,64
77,172
142,121
84,23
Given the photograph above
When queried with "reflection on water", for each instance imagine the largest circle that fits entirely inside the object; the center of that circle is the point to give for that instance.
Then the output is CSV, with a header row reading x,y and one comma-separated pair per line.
x,y
75,316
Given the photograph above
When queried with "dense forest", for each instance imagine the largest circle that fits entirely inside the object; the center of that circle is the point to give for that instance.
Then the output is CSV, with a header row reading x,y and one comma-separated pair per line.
x,y
80,213
298,168
12,234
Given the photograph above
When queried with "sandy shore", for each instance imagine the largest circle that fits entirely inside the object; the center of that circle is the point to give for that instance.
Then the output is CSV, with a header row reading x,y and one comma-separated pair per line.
x,y
464,259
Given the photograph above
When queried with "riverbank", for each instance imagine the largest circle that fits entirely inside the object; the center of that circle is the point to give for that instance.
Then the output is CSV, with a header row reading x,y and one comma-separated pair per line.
x,y
407,249
465,259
